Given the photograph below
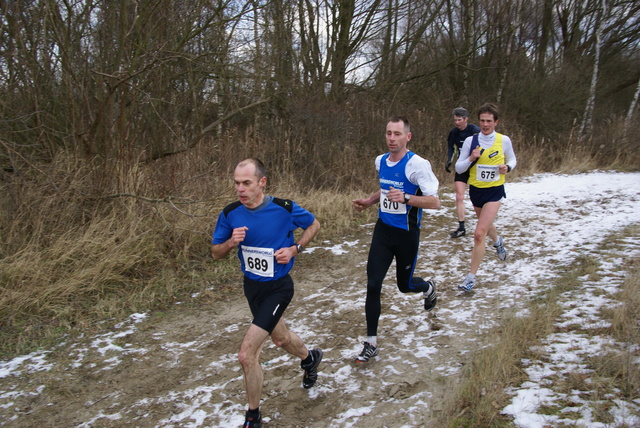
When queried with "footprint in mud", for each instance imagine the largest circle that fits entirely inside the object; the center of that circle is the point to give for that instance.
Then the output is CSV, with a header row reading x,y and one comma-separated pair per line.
x,y
403,390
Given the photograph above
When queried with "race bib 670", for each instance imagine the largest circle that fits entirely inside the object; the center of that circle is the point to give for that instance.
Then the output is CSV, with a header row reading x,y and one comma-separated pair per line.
x,y
386,206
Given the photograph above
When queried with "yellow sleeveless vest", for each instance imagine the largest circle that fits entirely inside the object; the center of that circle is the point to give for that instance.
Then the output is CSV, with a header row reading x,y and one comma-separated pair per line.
x,y
484,173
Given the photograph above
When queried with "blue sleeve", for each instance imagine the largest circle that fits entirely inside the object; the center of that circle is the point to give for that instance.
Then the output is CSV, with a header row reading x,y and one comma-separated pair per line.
x,y
223,230
301,217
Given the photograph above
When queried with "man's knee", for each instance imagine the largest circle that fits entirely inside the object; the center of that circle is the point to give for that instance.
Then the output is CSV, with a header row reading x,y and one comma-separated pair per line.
x,y
281,340
373,285
246,359
479,235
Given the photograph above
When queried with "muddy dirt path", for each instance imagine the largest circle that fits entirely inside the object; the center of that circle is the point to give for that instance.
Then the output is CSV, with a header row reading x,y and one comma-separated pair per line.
x,y
180,370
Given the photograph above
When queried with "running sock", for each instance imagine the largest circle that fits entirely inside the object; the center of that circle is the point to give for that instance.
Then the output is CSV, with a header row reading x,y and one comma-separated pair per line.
x,y
253,414
471,275
461,225
308,360
373,340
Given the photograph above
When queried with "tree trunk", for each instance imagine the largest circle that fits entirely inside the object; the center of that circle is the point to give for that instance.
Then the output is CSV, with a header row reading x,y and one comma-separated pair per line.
x,y
545,34
514,30
587,119
346,10
632,108
469,17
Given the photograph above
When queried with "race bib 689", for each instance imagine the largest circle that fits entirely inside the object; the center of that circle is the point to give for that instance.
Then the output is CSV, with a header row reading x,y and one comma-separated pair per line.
x,y
258,261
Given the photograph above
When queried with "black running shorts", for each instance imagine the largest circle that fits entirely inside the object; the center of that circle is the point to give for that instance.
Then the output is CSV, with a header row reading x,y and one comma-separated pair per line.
x,y
464,177
480,196
268,300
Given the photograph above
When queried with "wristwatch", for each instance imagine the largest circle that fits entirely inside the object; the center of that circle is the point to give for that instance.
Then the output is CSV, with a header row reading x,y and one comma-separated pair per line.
x,y
299,248
407,197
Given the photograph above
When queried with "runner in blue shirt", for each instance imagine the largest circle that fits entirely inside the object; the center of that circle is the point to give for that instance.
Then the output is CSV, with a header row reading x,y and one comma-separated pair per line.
x,y
407,186
262,228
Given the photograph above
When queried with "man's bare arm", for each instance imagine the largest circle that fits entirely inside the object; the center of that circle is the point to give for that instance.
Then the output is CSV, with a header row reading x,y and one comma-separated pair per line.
x,y
219,251
284,255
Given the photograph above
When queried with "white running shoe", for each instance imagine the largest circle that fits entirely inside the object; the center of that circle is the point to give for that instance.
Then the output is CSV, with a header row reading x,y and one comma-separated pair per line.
x,y
500,251
467,284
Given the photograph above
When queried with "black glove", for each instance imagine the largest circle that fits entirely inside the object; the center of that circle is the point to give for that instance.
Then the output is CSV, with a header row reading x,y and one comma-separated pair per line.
x,y
446,167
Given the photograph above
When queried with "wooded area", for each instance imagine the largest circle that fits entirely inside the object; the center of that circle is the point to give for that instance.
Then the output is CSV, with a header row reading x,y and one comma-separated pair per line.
x,y
299,81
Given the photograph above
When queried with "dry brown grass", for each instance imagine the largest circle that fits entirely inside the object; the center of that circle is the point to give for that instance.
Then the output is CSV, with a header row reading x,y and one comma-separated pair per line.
x,y
78,249
624,368
480,397
477,401
87,240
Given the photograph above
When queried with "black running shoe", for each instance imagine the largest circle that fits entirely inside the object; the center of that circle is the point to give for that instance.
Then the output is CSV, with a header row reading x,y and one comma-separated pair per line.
x,y
311,370
458,233
252,422
431,298
369,351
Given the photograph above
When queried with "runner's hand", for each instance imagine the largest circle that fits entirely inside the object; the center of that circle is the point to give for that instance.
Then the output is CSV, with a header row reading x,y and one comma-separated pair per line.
x,y
284,255
447,166
238,235
395,195
360,204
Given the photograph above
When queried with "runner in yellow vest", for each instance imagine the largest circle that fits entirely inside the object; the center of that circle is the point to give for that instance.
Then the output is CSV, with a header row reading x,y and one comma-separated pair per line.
x,y
488,156
485,171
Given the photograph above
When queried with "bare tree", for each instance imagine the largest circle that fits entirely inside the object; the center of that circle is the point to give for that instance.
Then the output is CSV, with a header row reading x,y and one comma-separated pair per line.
x,y
546,33
629,117
587,119
139,80
513,34
468,28
331,35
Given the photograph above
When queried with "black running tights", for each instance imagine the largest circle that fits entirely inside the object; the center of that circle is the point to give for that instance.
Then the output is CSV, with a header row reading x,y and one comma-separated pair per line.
x,y
389,242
